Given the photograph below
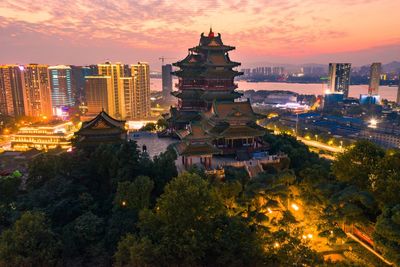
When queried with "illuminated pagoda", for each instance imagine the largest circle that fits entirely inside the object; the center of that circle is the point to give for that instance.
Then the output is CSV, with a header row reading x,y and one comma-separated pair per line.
x,y
207,119
101,129
205,74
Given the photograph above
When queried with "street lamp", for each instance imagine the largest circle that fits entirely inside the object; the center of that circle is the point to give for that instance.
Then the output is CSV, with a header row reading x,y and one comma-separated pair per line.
x,y
316,137
295,207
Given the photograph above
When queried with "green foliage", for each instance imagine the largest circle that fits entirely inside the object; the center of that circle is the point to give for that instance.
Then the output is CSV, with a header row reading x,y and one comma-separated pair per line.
x,y
358,165
134,195
288,250
30,242
149,127
189,227
387,233
9,186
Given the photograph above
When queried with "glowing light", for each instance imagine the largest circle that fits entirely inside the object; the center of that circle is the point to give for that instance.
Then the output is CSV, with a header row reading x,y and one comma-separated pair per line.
x,y
373,123
295,207
123,203
304,237
269,210
21,68
276,245
310,236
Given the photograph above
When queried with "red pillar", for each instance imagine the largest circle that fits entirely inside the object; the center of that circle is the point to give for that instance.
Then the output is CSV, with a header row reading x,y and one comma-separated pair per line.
x,y
190,161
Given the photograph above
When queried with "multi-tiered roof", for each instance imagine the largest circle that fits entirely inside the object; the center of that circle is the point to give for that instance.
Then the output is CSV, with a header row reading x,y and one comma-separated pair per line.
x,y
205,74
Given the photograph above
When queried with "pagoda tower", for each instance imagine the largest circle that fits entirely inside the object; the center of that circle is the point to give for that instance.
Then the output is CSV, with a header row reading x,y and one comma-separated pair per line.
x,y
206,74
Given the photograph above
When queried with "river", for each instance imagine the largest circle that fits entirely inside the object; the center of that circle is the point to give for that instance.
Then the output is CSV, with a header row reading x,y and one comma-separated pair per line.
x,y
385,92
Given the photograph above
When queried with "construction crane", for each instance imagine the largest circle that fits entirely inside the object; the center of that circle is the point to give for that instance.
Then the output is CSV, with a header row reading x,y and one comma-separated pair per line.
x,y
164,58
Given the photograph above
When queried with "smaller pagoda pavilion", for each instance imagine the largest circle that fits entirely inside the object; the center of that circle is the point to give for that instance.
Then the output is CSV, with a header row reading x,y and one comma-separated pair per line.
x,y
103,129
228,128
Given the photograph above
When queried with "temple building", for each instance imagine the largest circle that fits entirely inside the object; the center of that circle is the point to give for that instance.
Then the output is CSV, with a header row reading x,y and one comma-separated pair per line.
x,y
205,74
102,129
207,119
43,136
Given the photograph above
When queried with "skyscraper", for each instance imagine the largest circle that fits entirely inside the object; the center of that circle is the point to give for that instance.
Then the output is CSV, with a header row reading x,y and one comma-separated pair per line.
x,y
129,106
12,100
61,87
339,78
398,93
374,78
166,80
115,71
141,74
37,88
99,94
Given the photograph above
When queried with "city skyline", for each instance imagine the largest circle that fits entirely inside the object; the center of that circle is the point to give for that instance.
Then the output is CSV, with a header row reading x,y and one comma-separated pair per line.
x,y
290,32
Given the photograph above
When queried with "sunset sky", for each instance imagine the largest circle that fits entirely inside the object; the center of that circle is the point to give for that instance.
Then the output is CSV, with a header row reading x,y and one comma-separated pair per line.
x,y
281,31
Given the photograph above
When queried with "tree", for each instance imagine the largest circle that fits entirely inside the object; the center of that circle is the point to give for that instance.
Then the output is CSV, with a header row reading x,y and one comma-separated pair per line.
x,y
83,241
149,127
359,164
134,195
9,186
388,179
30,242
189,227
387,233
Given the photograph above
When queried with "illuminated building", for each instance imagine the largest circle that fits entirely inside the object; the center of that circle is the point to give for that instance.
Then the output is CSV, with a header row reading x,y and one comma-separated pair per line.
x,y
332,100
99,93
374,78
61,88
398,93
43,136
141,74
208,120
129,103
12,100
115,71
103,129
339,78
37,88
370,99
205,75
166,81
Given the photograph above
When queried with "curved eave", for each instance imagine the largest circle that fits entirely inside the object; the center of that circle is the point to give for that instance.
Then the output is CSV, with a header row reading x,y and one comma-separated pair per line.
x,y
215,48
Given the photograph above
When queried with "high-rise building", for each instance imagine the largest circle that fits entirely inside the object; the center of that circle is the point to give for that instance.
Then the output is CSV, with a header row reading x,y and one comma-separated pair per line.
x,y
12,100
61,87
129,106
115,71
141,74
398,93
374,78
99,94
37,88
166,80
339,78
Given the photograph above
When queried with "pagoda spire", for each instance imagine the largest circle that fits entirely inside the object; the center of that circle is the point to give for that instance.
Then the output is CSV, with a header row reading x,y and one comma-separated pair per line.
x,y
211,33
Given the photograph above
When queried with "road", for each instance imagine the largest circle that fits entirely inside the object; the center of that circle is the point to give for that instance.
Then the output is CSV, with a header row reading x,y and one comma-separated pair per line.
x,y
320,145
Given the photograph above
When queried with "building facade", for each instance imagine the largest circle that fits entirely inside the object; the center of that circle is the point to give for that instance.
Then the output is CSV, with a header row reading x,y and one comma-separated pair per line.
x,y
12,91
99,93
339,78
61,88
374,78
166,80
37,91
115,71
43,136
141,76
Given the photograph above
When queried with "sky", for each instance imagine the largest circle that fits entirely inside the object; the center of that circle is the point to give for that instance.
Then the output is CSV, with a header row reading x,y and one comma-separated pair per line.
x,y
263,31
